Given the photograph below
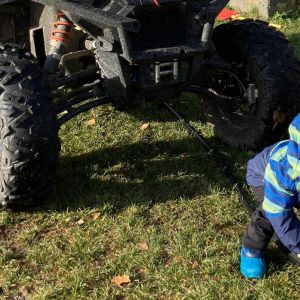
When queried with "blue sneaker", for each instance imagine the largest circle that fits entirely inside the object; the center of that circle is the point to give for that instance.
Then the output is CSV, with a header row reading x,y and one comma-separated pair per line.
x,y
253,264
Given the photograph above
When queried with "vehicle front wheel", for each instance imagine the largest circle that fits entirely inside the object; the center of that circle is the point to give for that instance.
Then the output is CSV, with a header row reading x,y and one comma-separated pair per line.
x,y
29,130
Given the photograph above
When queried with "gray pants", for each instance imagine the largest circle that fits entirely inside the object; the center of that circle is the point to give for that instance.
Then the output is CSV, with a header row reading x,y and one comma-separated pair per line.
x,y
260,231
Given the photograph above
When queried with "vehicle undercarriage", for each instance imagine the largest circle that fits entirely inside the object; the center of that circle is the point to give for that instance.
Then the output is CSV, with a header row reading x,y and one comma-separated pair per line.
x,y
102,51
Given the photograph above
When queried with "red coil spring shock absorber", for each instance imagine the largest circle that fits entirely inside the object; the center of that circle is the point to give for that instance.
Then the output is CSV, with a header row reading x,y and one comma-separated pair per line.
x,y
61,30
156,3
59,40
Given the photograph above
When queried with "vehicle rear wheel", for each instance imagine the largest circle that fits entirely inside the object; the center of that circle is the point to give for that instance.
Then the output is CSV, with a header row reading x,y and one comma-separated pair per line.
x,y
262,63
29,130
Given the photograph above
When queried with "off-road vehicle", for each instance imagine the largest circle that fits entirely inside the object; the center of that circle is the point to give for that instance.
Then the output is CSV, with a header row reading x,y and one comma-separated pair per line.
x,y
105,51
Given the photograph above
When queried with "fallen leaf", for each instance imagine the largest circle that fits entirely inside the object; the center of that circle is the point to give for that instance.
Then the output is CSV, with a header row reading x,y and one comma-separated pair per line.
x,y
195,264
33,265
121,297
51,232
143,246
184,280
80,222
91,122
183,155
24,291
145,126
95,216
277,26
279,117
119,280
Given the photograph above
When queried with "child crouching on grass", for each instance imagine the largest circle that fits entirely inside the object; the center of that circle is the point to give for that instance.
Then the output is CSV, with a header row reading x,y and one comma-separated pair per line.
x,y
274,177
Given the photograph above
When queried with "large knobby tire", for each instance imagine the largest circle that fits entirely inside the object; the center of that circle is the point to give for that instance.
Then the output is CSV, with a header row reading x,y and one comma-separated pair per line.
x,y
29,130
266,59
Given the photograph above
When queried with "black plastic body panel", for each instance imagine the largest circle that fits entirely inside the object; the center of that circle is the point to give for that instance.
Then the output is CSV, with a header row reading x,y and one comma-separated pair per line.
x,y
134,35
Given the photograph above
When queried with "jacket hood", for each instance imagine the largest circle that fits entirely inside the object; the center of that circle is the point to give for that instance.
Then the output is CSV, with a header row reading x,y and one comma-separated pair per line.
x,y
293,150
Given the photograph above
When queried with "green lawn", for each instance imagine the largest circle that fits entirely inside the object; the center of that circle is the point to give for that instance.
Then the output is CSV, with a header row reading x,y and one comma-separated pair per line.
x,y
149,204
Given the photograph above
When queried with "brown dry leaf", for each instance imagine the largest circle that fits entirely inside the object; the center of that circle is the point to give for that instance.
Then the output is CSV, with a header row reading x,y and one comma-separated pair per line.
x,y
195,264
119,280
145,126
80,222
279,117
96,215
184,280
121,297
143,246
53,232
32,264
91,122
24,291
93,114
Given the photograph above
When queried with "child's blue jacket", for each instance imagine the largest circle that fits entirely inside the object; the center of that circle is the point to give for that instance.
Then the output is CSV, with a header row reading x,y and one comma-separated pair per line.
x,y
278,169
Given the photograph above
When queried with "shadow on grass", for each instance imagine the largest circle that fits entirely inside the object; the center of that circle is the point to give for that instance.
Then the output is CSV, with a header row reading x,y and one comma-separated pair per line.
x,y
141,173
294,40
188,105
112,179
277,260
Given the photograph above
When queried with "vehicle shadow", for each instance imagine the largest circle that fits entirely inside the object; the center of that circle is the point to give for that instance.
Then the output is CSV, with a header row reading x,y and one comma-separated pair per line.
x,y
113,179
141,173
294,40
188,105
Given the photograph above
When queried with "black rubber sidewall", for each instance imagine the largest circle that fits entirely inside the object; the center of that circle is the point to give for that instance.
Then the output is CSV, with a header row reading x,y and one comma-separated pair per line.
x,y
253,42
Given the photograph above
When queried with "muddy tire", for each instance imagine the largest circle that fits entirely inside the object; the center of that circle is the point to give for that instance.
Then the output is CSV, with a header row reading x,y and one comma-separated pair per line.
x,y
29,130
262,56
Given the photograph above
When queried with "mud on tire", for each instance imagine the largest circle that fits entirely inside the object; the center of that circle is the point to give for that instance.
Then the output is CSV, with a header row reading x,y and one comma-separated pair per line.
x,y
270,63
29,130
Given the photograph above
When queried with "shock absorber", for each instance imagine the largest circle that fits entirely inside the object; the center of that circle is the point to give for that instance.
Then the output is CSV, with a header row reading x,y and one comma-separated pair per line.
x,y
58,41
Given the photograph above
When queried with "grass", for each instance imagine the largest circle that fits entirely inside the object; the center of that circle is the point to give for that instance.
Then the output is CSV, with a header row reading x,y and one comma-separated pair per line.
x,y
127,186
